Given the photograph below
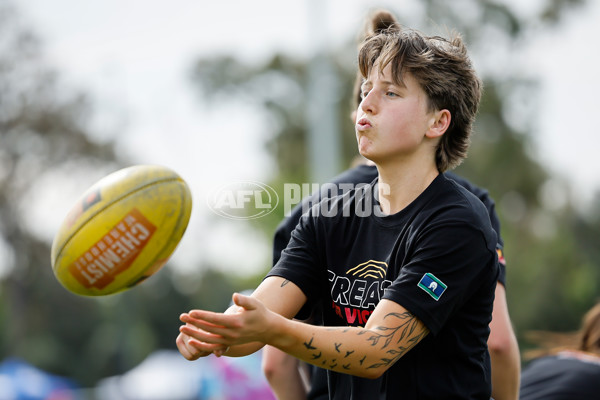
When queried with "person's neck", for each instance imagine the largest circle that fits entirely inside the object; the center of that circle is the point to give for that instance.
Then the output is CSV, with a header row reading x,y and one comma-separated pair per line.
x,y
400,185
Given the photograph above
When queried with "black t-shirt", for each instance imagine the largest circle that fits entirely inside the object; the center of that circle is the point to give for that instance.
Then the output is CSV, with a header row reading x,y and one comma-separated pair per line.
x,y
437,258
565,376
360,175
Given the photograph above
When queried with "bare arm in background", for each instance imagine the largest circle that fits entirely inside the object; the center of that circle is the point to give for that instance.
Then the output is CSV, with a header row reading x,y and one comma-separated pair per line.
x,y
283,374
504,351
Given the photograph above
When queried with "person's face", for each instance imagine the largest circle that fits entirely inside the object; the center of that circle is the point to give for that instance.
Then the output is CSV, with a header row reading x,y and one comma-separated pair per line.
x,y
391,120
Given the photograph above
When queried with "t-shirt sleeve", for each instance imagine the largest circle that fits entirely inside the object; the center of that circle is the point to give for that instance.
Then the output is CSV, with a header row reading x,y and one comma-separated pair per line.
x,y
489,204
447,263
284,232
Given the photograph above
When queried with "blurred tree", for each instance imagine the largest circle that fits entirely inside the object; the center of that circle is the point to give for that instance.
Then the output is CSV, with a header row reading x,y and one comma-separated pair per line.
x,y
46,143
545,261
42,136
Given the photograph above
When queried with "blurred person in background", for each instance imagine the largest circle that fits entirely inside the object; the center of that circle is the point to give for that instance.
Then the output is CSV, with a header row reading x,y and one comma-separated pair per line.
x,y
292,380
567,366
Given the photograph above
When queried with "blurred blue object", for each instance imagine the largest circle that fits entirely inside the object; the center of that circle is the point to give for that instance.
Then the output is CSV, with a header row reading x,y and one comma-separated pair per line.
x,y
22,381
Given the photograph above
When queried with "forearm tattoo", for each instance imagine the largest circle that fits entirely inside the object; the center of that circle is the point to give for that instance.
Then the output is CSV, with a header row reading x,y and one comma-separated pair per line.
x,y
405,336
401,334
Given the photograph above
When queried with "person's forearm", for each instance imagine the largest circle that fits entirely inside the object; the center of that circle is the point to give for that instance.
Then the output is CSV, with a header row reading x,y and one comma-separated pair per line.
x,y
390,332
506,371
504,351
364,352
241,350
283,374
288,389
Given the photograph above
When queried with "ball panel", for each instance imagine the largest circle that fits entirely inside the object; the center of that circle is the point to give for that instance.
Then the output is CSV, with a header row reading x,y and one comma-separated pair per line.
x,y
112,255
126,236
105,192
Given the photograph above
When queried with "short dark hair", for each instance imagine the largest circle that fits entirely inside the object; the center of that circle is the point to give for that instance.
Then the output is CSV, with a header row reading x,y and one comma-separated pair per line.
x,y
442,68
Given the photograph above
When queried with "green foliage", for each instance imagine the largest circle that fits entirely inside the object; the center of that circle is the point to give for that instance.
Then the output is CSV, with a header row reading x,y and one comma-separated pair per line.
x,y
277,87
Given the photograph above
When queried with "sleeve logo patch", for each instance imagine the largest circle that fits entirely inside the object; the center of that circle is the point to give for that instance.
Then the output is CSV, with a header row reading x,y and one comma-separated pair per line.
x,y
432,286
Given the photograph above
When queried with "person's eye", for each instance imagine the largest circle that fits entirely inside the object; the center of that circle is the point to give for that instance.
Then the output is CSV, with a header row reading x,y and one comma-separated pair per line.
x,y
391,94
364,94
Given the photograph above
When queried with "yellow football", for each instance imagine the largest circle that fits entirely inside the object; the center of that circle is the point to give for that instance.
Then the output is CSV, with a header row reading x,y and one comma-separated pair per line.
x,y
122,230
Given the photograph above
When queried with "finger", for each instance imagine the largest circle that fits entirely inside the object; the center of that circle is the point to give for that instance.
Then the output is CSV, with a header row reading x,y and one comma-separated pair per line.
x,y
201,328
221,352
247,302
197,325
180,342
202,336
205,348
192,349
188,351
215,320
196,322
195,315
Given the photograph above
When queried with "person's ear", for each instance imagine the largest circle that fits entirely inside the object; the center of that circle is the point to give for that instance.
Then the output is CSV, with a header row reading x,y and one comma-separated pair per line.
x,y
439,124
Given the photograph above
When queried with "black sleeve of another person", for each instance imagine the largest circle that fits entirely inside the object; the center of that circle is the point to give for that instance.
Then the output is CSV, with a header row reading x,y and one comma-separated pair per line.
x,y
485,198
358,175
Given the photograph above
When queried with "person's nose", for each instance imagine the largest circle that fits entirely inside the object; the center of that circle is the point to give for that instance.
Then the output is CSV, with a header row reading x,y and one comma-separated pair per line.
x,y
369,103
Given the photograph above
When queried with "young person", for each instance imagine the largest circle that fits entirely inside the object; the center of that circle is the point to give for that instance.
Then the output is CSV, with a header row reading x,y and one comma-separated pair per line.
x,y
283,372
403,269
568,369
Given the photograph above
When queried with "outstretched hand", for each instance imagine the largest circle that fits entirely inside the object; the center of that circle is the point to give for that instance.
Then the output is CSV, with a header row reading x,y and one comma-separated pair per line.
x,y
207,332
